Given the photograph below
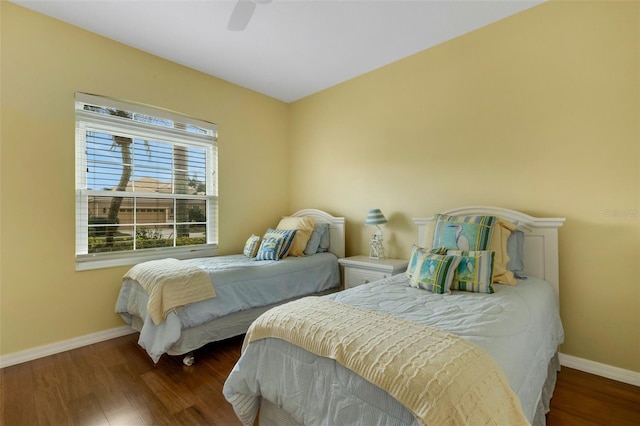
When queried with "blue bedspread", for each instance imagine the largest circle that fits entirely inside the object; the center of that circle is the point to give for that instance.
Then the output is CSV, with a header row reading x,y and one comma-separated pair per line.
x,y
240,284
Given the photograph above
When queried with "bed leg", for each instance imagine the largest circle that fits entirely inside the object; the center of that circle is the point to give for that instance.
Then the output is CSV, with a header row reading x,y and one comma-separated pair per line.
x,y
188,359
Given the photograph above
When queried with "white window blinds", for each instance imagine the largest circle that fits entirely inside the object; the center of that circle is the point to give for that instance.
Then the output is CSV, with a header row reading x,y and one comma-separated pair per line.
x,y
146,183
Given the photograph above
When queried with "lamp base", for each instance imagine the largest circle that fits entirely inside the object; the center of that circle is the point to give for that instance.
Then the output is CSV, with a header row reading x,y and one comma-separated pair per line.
x,y
376,249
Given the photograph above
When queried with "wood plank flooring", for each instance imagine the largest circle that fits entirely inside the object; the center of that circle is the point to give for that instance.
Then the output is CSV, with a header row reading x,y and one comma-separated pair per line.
x,y
115,383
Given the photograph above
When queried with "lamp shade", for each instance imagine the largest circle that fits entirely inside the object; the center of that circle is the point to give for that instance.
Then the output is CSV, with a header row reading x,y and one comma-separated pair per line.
x,y
375,217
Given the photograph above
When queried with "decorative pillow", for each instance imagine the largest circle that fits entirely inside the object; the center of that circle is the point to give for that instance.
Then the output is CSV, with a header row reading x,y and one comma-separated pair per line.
x,y
314,240
515,249
287,234
325,242
251,246
434,272
475,271
304,227
270,248
416,254
469,233
501,232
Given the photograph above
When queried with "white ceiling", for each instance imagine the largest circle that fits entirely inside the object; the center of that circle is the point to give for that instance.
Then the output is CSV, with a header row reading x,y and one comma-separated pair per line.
x,y
291,48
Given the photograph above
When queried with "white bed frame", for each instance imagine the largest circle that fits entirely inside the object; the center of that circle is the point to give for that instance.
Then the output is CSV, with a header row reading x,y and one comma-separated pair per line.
x,y
540,239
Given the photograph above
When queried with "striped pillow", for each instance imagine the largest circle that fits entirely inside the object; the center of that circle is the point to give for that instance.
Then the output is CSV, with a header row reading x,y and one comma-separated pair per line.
x,y
251,246
287,234
468,233
475,271
270,248
434,272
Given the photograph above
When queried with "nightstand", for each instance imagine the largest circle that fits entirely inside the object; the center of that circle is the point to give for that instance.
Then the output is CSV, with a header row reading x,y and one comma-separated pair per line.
x,y
361,269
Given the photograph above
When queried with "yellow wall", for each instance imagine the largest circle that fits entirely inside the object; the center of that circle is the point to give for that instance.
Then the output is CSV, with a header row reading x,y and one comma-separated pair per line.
x,y
44,61
539,112
541,109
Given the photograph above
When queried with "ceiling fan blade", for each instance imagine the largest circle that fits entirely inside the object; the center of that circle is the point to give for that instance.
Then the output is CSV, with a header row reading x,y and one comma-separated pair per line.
x,y
241,15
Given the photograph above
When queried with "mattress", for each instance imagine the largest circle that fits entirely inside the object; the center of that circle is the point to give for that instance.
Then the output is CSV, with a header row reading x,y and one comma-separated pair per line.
x,y
519,326
241,284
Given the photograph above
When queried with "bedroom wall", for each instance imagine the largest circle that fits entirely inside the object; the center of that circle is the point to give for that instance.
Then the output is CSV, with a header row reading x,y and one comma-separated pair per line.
x,y
44,61
538,113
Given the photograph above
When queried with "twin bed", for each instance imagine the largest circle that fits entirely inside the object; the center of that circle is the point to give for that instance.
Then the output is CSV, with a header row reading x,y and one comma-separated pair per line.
x,y
382,353
244,287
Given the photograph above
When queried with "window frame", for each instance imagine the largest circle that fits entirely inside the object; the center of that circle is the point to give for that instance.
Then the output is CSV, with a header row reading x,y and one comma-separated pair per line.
x,y
93,121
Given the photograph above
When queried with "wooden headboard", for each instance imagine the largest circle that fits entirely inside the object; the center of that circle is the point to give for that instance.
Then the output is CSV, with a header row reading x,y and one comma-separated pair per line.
x,y
336,229
540,238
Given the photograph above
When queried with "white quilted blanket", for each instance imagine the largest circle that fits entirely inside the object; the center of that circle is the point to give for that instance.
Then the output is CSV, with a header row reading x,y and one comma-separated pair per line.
x,y
170,284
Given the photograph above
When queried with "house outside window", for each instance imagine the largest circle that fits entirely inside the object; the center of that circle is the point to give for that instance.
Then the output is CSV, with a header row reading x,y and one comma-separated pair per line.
x,y
146,184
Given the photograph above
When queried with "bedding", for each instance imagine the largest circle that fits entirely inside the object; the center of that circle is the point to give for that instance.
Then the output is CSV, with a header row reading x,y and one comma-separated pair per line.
x,y
170,285
240,283
231,291
518,326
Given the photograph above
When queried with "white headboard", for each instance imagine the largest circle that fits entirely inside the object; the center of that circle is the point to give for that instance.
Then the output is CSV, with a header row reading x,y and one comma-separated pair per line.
x,y
540,238
336,229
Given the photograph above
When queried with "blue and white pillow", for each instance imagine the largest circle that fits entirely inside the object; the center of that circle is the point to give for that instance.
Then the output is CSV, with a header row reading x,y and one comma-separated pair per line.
x,y
474,272
270,248
251,246
287,236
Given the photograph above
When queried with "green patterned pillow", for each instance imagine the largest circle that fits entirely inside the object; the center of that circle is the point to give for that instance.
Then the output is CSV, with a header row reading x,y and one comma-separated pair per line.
x,y
434,272
418,252
251,246
286,234
475,271
468,233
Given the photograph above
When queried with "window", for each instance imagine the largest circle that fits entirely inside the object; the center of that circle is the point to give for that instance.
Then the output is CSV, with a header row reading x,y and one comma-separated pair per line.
x,y
146,184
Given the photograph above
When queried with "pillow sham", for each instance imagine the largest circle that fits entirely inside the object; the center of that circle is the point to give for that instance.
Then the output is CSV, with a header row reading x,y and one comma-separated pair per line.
x,y
270,248
314,240
325,242
434,272
417,253
474,272
304,226
501,233
287,234
251,246
515,250
469,233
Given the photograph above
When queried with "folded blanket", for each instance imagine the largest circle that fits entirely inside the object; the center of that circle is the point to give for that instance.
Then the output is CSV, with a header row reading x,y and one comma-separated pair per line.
x,y
170,284
440,377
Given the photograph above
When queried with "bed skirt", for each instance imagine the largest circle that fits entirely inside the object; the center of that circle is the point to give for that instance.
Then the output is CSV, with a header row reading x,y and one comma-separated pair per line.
x,y
222,328
272,415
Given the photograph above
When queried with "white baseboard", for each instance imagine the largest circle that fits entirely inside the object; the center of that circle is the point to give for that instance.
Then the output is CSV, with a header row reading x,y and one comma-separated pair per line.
x,y
599,369
55,348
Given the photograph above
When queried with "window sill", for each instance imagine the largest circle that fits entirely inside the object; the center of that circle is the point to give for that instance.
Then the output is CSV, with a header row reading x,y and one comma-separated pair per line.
x,y
87,262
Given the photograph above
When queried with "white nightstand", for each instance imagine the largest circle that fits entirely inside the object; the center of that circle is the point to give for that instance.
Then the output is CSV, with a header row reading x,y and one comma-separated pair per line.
x,y
361,270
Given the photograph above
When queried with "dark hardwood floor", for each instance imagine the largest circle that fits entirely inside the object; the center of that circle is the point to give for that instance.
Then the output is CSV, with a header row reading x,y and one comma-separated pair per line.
x,y
115,383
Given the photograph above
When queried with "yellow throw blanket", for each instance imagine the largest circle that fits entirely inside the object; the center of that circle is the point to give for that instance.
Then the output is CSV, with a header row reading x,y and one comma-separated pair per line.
x,y
441,378
170,284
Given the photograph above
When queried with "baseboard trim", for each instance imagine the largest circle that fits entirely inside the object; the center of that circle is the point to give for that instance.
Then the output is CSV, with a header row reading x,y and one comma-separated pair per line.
x,y
599,369
55,348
